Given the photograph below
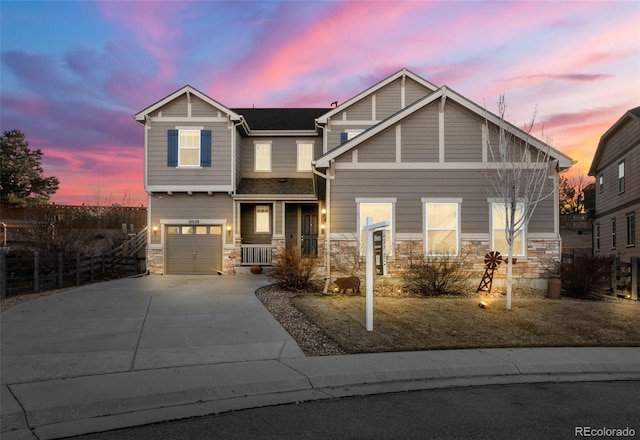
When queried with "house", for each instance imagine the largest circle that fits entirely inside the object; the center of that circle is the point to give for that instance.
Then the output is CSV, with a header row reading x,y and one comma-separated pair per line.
x,y
228,186
616,168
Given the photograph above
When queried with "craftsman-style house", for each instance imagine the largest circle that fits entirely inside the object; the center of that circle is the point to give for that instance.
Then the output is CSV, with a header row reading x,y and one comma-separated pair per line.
x,y
229,186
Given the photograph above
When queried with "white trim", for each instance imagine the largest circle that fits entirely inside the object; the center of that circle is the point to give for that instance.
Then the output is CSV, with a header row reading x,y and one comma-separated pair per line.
x,y
179,119
426,165
441,200
441,135
376,199
363,122
299,143
186,188
373,107
398,143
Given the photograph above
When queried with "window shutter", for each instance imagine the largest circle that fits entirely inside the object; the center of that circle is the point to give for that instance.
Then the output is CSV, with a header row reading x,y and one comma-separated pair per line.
x,y
205,148
344,137
172,148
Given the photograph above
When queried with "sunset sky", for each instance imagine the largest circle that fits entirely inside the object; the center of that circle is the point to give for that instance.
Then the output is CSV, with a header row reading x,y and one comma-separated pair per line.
x,y
74,72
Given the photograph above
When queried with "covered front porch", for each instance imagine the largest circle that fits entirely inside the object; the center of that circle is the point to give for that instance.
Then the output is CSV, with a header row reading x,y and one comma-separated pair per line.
x,y
275,213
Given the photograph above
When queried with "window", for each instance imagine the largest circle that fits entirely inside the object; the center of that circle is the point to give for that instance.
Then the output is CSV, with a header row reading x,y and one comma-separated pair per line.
x,y
597,238
621,177
600,183
188,147
263,156
631,229
349,134
498,230
263,219
305,155
441,228
379,212
613,233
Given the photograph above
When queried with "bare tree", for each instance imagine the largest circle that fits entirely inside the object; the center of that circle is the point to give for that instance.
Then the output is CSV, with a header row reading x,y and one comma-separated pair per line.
x,y
572,193
519,180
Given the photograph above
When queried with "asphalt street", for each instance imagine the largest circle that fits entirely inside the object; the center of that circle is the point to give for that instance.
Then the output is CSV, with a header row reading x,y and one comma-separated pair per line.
x,y
494,412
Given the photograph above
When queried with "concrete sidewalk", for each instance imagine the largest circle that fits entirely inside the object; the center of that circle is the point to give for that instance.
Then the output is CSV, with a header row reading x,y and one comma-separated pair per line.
x,y
139,351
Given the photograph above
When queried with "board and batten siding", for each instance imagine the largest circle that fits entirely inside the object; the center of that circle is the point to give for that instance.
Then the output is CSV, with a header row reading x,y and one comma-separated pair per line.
x,y
462,135
409,187
420,136
158,173
182,206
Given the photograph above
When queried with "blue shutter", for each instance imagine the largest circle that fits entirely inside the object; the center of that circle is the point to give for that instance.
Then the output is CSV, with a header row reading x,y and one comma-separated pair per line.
x,y
205,148
344,137
172,148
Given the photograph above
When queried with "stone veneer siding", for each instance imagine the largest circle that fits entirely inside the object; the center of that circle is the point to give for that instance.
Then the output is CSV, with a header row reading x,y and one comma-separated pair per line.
x,y
530,272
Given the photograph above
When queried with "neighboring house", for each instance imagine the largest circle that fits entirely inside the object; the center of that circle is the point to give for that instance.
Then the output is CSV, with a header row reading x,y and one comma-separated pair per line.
x,y
228,186
616,168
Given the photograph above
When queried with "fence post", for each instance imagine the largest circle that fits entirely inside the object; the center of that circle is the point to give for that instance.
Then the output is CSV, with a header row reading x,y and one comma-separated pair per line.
x,y
36,271
77,270
60,271
614,274
3,273
634,277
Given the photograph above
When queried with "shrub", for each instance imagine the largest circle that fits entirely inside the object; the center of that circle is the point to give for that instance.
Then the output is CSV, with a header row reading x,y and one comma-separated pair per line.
x,y
433,275
584,275
292,271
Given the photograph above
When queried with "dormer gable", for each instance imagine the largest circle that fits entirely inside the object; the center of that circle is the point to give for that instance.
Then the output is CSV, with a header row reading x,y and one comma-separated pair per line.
x,y
185,102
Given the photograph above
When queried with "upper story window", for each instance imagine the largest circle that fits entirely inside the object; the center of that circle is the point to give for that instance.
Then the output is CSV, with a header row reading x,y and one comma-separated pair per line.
x,y
379,210
349,134
442,227
305,155
621,177
498,230
188,147
263,156
600,183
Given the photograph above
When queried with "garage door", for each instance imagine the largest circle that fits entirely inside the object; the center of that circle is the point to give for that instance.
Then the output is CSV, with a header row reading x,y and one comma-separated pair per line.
x,y
193,249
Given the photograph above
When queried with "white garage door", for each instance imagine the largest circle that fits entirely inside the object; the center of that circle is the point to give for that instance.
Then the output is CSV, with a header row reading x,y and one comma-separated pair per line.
x,y
193,249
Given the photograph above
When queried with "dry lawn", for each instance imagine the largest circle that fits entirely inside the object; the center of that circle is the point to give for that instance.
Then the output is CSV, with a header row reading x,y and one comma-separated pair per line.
x,y
405,324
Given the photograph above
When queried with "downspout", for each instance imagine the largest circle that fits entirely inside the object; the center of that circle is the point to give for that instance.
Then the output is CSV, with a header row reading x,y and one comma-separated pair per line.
x,y
233,180
327,231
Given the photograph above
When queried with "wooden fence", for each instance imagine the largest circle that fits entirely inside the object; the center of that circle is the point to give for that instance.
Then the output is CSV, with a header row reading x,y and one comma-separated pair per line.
x,y
31,275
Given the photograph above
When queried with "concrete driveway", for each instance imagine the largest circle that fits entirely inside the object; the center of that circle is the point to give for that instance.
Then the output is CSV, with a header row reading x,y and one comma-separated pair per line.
x,y
139,324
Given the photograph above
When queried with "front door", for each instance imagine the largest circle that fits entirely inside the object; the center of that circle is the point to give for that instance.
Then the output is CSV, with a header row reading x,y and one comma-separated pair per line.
x,y
310,230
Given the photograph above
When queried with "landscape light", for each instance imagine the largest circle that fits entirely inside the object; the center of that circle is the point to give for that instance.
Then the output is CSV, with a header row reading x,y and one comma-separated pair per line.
x,y
482,305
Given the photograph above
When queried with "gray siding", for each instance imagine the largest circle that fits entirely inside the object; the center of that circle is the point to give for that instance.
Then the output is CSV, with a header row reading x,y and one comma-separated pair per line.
x,y
409,186
624,144
199,108
182,206
284,156
248,224
382,148
160,174
462,135
177,107
420,138
414,91
388,100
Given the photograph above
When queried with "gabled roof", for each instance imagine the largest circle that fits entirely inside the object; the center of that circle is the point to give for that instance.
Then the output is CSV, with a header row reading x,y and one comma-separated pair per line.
x,y
634,113
404,72
281,118
186,90
564,161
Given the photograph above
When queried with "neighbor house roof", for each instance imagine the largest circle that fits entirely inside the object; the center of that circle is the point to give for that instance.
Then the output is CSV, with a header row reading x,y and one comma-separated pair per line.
x,y
633,114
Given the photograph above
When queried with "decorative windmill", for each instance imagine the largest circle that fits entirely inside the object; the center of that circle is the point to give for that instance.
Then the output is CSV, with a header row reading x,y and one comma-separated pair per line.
x,y
491,262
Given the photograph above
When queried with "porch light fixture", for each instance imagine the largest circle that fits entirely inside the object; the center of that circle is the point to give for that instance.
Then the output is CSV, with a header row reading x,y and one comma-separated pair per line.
x,y
155,229
324,211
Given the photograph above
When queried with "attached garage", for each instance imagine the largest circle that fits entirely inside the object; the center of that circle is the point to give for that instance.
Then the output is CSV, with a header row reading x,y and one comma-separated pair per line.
x,y
193,249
